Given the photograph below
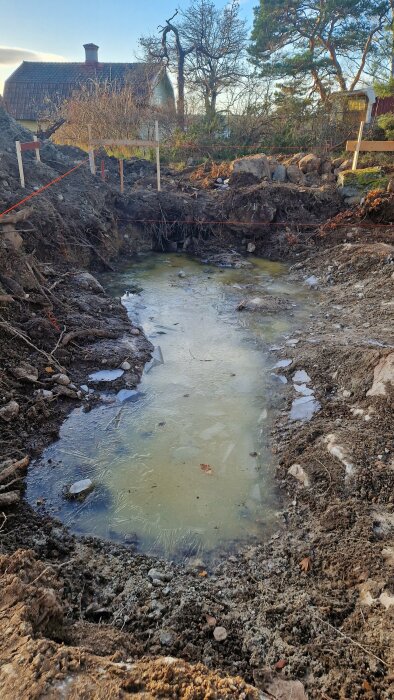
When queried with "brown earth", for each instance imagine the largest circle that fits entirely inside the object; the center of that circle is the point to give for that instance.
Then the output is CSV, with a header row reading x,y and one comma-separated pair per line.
x,y
312,607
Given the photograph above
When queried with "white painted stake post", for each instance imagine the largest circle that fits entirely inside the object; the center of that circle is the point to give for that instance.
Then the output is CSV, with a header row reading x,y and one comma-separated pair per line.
x,y
357,151
92,163
158,156
38,157
121,175
20,162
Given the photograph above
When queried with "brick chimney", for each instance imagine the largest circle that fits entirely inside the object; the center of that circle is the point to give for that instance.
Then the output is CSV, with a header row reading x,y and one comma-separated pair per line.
x,y
91,53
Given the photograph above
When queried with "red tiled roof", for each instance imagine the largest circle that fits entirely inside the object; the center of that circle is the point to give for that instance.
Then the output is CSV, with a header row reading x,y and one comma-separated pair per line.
x,y
33,86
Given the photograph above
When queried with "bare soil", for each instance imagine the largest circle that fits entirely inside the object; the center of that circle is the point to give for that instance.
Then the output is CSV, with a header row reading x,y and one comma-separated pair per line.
x,y
308,613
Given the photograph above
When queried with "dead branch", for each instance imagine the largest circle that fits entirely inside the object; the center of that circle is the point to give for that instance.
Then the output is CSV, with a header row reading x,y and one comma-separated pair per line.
x,y
14,331
87,333
22,464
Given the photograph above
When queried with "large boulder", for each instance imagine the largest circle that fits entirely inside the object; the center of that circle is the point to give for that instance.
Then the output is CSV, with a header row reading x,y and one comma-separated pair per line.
x,y
279,174
310,163
295,175
257,165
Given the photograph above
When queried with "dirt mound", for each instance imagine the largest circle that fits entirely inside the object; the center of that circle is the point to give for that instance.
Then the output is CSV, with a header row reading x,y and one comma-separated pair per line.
x,y
33,665
370,221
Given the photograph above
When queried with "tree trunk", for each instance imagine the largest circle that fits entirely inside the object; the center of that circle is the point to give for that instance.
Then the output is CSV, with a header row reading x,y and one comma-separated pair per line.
x,y
181,90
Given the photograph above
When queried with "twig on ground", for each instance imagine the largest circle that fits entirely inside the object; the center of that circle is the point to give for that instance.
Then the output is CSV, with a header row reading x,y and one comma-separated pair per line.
x,y
14,331
353,641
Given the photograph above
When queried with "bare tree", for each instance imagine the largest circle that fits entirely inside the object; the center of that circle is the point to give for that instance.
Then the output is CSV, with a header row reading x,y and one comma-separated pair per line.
x,y
172,52
205,48
219,38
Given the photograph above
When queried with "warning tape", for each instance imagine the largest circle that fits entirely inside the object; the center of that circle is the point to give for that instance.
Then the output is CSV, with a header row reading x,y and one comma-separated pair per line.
x,y
42,189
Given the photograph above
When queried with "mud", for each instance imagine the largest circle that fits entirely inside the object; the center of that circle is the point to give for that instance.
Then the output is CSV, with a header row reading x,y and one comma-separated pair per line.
x,y
313,607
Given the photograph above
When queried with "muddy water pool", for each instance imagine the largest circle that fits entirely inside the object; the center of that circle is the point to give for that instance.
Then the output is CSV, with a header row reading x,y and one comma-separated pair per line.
x,y
181,467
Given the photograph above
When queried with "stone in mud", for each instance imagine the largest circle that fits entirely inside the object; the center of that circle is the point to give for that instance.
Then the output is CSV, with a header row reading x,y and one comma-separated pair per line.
x,y
44,394
383,376
167,638
265,304
157,575
10,411
182,274
86,281
220,634
61,379
26,372
135,331
80,489
300,474
251,247
126,366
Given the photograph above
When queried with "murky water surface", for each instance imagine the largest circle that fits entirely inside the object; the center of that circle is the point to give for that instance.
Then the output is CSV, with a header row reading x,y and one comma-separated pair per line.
x,y
181,466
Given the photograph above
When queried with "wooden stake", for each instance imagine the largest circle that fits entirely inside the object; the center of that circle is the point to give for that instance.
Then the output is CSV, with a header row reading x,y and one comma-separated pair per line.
x,y
121,175
357,151
102,170
20,162
38,157
91,151
157,156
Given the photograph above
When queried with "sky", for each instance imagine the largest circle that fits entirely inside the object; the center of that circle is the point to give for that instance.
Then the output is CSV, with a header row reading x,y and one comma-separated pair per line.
x,y
47,31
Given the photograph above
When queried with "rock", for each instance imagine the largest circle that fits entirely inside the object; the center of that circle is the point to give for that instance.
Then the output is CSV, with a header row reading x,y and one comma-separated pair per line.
x,y
337,451
181,274
309,163
167,638
155,574
220,634
295,175
251,247
86,281
10,411
126,366
172,246
300,474
26,372
280,173
284,690
353,201
80,488
44,394
135,331
257,165
326,167
383,375
61,379
266,304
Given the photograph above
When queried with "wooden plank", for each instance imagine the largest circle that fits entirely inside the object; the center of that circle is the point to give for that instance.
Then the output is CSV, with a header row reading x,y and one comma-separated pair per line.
x,y
158,173
121,176
30,146
125,142
372,146
38,157
357,149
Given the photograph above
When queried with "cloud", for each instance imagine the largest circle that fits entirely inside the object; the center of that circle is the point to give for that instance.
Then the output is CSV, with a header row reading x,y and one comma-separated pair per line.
x,y
11,55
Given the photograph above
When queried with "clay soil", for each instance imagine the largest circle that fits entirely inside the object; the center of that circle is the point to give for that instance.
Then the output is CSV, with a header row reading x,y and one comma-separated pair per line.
x,y
307,614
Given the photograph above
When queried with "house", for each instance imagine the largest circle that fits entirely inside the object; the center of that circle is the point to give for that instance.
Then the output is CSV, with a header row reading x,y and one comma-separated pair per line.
x,y
353,106
36,86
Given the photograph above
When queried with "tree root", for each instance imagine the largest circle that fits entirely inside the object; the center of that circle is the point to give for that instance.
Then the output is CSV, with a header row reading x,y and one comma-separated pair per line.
x,y
87,333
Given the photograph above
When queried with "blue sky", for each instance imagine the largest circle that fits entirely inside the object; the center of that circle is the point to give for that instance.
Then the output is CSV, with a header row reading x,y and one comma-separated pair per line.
x,y
56,31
